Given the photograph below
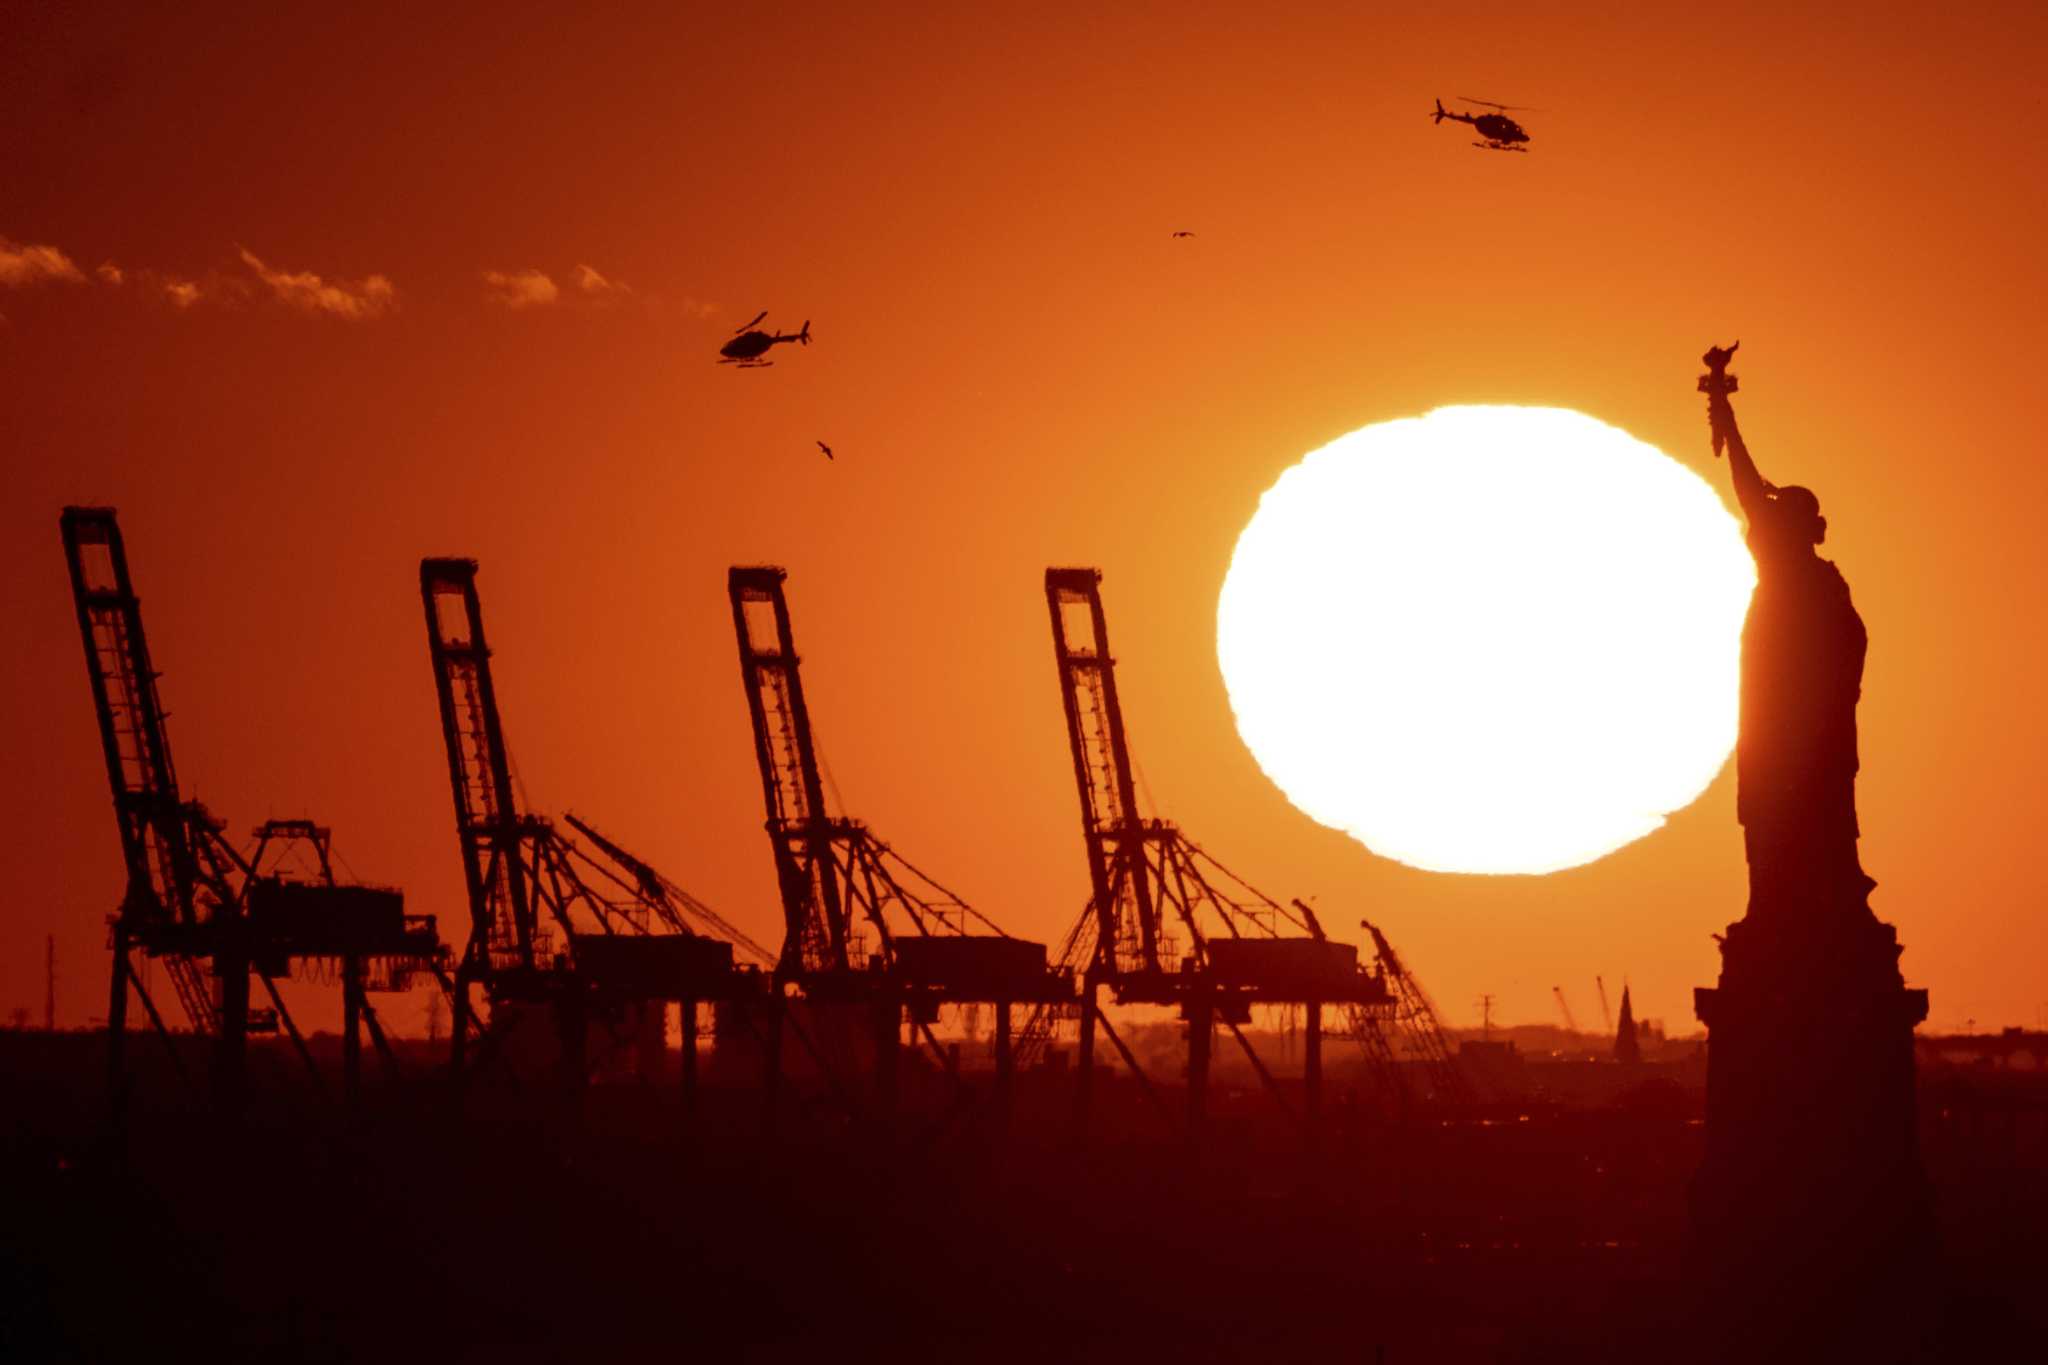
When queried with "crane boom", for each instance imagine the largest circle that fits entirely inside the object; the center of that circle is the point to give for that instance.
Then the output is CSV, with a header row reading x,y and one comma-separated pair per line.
x,y
180,896
1571,1024
671,901
156,840
503,931
816,932
1415,1015
1120,878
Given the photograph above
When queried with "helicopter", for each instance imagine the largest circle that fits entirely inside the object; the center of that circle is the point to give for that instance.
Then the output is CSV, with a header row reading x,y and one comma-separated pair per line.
x,y
748,346
1501,132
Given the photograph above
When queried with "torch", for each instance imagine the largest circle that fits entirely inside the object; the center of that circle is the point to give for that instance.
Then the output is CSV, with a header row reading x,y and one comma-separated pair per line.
x,y
1717,384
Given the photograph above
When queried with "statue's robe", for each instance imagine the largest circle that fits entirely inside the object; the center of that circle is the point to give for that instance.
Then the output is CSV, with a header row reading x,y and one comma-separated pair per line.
x,y
1802,672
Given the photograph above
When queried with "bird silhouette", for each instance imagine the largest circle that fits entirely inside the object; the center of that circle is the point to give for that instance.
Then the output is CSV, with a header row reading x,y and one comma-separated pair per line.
x,y
827,449
1183,234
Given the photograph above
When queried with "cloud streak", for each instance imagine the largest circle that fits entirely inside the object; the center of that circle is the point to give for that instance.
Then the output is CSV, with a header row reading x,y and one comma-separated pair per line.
x,y
584,287
520,288
590,282
21,266
370,297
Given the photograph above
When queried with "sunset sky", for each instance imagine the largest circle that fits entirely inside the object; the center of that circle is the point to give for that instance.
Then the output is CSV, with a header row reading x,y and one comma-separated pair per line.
x,y
310,296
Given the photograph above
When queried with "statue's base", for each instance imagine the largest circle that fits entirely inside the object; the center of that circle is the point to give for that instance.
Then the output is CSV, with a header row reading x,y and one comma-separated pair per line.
x,y
1810,1211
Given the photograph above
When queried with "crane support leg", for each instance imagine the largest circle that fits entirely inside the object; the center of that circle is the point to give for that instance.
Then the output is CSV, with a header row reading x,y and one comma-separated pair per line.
x,y
686,1019
1084,1064
231,1051
1131,1061
1251,1054
771,1065
1312,1064
162,1031
458,1039
284,1017
117,1029
352,1030
1005,1063
393,1073
888,1044
947,1058
1201,1038
572,1022
847,1100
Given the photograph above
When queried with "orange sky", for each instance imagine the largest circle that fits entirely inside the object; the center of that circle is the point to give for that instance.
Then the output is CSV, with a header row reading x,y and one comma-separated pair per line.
x,y
1017,367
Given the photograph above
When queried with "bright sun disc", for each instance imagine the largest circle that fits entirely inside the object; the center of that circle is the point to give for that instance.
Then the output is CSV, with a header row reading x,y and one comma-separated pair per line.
x,y
1488,639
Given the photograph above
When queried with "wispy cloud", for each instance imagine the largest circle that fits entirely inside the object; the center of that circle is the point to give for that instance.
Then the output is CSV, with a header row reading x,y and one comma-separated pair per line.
x,y
590,282
372,296
609,289
520,288
25,265
585,286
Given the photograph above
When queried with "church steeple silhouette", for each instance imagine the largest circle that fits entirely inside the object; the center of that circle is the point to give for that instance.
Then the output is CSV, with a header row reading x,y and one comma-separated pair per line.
x,y
1626,1049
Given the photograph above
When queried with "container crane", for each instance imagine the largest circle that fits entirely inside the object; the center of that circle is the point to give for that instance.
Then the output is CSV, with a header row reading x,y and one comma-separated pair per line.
x,y
1166,923
581,932
211,913
862,927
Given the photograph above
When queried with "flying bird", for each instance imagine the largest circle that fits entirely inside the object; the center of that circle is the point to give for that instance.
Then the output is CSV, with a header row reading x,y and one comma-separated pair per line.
x,y
827,449
1183,234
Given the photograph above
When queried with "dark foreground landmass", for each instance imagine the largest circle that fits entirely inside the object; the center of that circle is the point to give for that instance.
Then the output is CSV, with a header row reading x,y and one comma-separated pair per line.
x,y
514,1228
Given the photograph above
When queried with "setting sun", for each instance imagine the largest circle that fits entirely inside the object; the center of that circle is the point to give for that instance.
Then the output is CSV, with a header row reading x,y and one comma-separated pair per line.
x,y
1489,639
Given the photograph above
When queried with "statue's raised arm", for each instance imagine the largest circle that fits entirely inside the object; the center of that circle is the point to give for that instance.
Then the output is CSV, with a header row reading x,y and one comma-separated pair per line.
x,y
1752,490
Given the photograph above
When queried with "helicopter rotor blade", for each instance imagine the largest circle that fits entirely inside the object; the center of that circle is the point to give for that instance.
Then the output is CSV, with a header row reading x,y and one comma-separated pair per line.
x,y
1518,108
743,326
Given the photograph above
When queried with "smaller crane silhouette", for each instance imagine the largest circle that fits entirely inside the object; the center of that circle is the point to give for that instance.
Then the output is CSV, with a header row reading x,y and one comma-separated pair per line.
x,y
1571,1025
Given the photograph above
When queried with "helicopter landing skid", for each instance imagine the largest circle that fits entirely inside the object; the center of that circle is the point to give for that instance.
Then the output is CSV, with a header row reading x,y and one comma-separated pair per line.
x,y
1499,147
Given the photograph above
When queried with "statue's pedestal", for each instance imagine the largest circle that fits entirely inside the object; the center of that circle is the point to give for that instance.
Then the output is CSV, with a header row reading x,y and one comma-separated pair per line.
x,y
1811,1208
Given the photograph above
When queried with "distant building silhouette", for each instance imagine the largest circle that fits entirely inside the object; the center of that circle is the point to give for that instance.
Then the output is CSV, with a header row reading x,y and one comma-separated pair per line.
x,y
1626,1049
